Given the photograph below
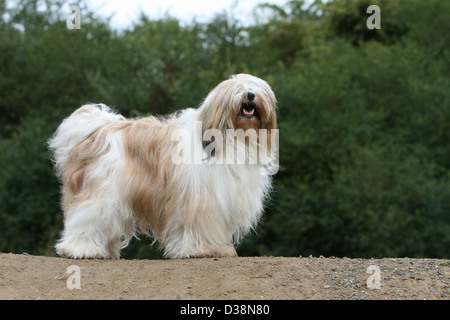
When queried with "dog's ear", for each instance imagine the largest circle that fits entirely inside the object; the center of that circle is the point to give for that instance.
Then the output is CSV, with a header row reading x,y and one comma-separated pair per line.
x,y
218,107
214,124
213,112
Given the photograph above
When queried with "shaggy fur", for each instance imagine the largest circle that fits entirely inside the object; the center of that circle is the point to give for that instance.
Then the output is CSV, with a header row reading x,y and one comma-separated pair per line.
x,y
121,177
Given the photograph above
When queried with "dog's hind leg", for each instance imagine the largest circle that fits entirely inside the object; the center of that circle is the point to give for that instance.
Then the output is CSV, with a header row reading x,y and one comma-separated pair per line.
x,y
93,229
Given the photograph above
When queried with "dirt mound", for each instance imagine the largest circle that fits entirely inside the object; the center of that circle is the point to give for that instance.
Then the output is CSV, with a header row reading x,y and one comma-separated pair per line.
x,y
23,276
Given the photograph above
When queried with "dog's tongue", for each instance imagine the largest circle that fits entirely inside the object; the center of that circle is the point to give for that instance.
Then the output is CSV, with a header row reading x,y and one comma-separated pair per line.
x,y
249,112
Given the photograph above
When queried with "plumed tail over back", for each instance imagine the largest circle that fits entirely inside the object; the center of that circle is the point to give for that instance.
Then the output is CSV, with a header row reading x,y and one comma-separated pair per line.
x,y
76,128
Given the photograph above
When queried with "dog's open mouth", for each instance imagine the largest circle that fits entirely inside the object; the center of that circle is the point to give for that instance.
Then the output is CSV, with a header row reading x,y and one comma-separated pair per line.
x,y
248,110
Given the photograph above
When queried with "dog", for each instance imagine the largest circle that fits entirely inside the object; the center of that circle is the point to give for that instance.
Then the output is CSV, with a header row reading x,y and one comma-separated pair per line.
x,y
174,178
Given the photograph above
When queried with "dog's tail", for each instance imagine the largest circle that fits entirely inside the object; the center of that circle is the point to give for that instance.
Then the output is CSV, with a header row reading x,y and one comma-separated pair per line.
x,y
76,128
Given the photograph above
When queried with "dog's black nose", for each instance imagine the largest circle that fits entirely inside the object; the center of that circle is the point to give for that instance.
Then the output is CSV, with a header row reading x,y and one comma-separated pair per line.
x,y
250,96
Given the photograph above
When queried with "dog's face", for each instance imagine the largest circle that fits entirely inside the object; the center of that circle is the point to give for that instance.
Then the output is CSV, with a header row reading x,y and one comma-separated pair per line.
x,y
241,102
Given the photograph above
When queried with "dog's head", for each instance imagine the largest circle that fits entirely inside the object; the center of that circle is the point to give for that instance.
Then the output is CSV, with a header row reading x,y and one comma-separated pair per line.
x,y
241,102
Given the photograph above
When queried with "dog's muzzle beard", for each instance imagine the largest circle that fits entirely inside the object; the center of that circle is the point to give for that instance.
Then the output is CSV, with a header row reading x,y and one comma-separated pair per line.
x,y
249,107
248,116
249,110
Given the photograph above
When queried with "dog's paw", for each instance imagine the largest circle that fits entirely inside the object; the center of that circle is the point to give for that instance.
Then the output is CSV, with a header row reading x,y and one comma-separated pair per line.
x,y
226,251
220,252
81,252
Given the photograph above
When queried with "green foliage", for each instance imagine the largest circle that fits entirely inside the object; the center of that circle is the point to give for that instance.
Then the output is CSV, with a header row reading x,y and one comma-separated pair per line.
x,y
363,115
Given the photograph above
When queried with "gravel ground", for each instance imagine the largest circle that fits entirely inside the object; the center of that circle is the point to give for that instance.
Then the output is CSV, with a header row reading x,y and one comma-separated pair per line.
x,y
24,276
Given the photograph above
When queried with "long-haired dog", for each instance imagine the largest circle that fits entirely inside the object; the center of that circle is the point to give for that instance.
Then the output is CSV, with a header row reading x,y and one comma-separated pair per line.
x,y
177,179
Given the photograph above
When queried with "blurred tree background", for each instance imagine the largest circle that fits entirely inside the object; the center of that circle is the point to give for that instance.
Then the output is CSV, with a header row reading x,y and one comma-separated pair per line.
x,y
363,115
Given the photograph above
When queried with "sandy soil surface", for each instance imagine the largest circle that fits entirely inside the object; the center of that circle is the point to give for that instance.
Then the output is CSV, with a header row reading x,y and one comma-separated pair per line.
x,y
24,276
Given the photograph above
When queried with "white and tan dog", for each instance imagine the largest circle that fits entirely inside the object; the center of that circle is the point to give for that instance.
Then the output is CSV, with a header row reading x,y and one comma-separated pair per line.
x,y
123,177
